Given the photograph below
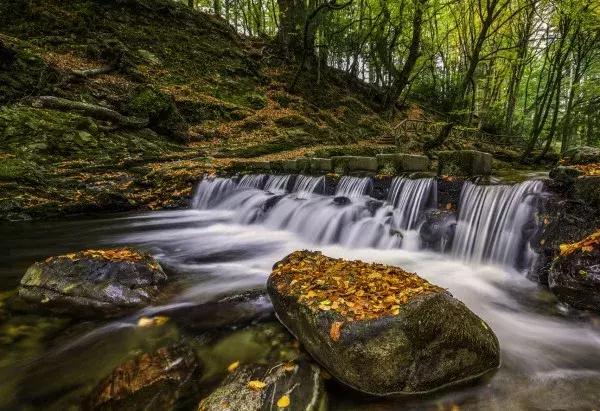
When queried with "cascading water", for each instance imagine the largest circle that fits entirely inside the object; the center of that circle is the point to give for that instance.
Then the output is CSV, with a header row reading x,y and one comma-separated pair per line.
x,y
409,198
306,186
353,187
490,227
211,191
278,184
252,181
492,221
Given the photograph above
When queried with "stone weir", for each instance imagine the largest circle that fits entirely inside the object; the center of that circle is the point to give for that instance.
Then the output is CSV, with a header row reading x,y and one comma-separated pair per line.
x,y
465,163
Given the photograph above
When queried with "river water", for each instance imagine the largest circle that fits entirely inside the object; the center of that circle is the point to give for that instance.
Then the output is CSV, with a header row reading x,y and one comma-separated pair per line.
x,y
231,237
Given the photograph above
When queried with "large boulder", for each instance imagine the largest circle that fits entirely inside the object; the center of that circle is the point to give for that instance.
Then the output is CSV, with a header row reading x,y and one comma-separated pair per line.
x,y
296,385
464,163
150,381
93,283
575,274
378,328
582,155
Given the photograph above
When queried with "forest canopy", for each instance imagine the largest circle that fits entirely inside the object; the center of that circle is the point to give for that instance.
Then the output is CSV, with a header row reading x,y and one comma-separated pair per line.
x,y
511,67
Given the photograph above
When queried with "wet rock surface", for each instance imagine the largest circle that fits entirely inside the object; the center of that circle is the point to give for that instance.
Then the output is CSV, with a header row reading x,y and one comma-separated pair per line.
x,y
377,328
150,381
568,214
437,230
228,312
93,283
575,274
295,385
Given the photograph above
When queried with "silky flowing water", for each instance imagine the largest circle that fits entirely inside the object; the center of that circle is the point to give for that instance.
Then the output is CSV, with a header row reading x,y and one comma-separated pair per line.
x,y
228,241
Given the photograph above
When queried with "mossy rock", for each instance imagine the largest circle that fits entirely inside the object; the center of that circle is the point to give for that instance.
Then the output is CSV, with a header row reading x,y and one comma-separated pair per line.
x,y
160,109
428,341
464,163
575,274
254,387
93,283
256,101
14,169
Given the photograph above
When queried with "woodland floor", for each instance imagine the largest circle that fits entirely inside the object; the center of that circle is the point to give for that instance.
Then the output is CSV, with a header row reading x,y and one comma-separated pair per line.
x,y
230,94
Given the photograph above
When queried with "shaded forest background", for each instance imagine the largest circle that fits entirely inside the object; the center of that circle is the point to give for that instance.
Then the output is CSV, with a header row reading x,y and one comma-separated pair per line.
x,y
123,104
525,67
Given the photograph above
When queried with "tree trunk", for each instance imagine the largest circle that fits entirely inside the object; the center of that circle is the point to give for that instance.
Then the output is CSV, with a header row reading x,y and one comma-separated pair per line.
x,y
402,77
292,15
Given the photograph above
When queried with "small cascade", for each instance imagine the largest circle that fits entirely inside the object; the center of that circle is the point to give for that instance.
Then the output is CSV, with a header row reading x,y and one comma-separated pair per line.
x,y
353,187
278,184
494,224
252,181
409,198
493,221
211,191
306,186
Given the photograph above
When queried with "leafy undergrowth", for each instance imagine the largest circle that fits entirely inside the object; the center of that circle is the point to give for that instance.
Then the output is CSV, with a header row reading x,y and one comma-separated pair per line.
x,y
589,169
353,289
587,245
229,92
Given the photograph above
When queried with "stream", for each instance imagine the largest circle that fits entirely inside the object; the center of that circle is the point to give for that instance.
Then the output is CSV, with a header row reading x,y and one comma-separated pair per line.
x,y
233,234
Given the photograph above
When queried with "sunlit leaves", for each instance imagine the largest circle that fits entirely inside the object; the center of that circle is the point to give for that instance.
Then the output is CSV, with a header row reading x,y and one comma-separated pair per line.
x,y
353,289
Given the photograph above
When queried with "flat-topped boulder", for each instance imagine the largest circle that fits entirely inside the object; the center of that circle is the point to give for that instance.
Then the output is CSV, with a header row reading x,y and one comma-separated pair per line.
x,y
93,283
349,164
464,163
377,328
575,274
401,163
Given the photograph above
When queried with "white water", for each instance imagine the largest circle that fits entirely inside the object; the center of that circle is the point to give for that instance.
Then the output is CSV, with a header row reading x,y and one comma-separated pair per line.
x,y
355,220
491,223
353,187
549,359
540,348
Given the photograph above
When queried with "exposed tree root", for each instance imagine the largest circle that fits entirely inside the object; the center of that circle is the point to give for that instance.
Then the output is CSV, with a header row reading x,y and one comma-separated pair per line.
x,y
92,110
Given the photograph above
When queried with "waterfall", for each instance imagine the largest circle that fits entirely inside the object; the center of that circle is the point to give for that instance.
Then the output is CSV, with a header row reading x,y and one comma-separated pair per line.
x,y
409,198
252,181
278,184
353,187
211,191
491,226
492,221
305,186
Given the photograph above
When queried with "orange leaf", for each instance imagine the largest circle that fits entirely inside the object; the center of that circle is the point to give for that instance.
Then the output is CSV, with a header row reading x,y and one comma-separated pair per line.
x,y
335,330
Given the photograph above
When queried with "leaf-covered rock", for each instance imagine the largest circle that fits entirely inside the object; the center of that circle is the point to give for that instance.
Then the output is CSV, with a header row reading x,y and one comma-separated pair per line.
x,y
93,283
296,385
150,381
575,274
378,328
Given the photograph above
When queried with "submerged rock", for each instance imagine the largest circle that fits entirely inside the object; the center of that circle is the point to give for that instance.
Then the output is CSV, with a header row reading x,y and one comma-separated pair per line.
x,y
228,312
296,385
93,283
575,274
378,328
151,381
